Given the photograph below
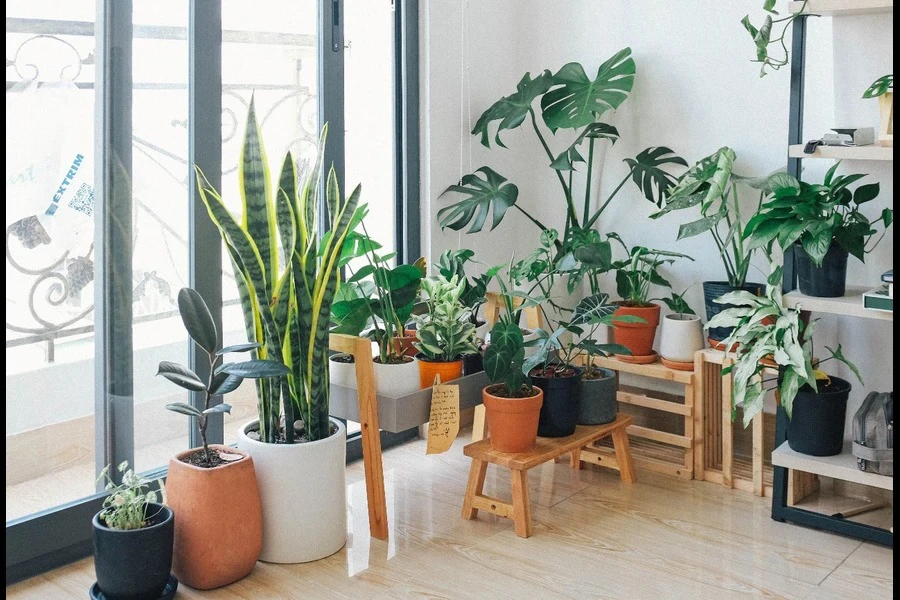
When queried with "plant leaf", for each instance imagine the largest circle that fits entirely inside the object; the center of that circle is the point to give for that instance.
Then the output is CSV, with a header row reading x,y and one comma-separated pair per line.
x,y
838,355
648,175
181,376
512,110
482,196
880,86
197,319
247,347
218,408
184,409
255,369
223,383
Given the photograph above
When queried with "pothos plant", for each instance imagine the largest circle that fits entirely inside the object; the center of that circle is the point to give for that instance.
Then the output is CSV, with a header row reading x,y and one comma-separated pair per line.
x,y
764,327
569,100
223,377
445,332
772,25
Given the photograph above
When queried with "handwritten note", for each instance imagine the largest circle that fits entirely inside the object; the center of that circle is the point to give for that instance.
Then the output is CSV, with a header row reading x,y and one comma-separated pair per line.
x,y
444,422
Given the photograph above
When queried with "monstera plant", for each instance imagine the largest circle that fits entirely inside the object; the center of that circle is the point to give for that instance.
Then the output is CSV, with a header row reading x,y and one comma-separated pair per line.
x,y
569,101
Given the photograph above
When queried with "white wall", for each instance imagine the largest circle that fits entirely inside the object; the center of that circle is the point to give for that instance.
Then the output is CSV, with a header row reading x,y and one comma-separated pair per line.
x,y
696,90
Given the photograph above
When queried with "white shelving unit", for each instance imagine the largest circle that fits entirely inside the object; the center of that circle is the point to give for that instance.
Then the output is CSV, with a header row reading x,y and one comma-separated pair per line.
x,y
843,7
873,152
843,466
850,305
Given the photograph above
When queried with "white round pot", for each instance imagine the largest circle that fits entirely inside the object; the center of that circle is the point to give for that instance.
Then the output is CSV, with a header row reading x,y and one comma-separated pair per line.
x,y
682,336
303,493
528,335
397,380
341,373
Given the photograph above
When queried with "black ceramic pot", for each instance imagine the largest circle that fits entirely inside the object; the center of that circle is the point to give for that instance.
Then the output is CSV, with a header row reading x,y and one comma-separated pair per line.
x,y
816,426
599,403
827,281
472,363
715,289
135,564
559,412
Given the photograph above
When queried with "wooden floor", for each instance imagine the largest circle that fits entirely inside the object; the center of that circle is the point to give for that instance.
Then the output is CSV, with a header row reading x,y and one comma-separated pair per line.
x,y
594,537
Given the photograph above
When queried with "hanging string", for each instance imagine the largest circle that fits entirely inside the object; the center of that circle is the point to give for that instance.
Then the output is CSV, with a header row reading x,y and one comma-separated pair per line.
x,y
464,99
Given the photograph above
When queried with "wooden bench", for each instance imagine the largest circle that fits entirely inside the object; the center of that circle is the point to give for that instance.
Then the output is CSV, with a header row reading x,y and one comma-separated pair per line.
x,y
545,450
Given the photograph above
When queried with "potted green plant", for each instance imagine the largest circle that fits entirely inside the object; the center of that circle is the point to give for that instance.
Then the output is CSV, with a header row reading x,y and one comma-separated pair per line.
x,y
823,223
452,263
133,538
814,402
634,277
712,186
287,284
198,478
682,334
773,25
377,301
883,89
512,404
445,331
568,101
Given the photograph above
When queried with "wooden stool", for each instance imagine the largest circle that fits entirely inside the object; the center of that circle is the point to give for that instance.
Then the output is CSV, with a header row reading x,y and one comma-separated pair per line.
x,y
545,450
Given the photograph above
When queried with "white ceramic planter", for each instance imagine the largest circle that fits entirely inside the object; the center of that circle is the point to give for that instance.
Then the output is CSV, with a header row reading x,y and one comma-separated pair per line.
x,y
341,373
682,336
397,380
304,496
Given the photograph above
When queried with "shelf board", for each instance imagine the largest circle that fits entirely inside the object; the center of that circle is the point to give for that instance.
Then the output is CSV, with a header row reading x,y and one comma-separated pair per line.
x,y
842,466
850,305
829,503
843,7
872,152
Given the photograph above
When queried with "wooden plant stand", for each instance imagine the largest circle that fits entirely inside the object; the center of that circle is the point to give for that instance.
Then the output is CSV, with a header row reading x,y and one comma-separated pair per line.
x,y
545,450
658,451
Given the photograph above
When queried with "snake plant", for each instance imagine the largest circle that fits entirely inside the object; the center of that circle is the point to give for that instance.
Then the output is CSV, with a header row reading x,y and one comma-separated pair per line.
x,y
287,272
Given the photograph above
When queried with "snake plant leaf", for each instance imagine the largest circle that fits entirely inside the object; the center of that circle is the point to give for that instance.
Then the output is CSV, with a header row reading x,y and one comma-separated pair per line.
x,y
579,101
255,369
181,376
285,217
218,408
224,383
490,194
512,110
648,174
258,213
239,348
880,87
183,408
197,319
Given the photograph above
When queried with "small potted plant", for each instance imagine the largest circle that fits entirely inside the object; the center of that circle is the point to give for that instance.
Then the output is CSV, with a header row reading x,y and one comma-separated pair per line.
x,y
200,477
634,276
814,403
453,263
134,534
682,334
823,223
445,332
883,89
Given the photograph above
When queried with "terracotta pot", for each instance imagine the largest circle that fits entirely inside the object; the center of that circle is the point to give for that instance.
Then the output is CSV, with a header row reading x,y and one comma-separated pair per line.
x,y
512,422
448,370
218,533
637,337
404,344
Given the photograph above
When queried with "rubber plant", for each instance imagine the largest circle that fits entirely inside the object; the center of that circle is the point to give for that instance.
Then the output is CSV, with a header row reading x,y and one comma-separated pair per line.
x,y
287,271
764,327
568,100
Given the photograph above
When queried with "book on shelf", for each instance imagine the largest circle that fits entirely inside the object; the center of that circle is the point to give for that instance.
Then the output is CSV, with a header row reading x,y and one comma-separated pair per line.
x,y
888,278
878,299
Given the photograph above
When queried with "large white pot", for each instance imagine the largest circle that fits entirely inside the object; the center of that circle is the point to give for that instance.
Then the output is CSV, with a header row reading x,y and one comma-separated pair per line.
x,y
342,373
682,336
303,493
397,380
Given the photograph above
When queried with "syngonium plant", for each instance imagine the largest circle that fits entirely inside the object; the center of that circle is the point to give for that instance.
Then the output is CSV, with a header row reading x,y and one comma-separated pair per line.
x,y
569,100
287,271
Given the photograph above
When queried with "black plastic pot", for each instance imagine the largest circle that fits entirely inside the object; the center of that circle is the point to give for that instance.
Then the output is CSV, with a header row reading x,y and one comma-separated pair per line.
x,y
599,403
137,563
715,289
816,426
472,363
827,281
559,412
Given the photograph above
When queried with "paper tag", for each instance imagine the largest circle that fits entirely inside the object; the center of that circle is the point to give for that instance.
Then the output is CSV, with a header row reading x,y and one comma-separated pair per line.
x,y
443,425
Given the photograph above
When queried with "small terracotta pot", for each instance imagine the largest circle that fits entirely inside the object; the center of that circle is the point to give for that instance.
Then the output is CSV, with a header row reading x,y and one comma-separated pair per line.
x,y
637,337
404,344
429,368
218,532
512,422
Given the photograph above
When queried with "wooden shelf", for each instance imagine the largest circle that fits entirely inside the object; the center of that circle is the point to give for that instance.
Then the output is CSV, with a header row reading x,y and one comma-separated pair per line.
x,y
843,466
872,152
850,305
843,7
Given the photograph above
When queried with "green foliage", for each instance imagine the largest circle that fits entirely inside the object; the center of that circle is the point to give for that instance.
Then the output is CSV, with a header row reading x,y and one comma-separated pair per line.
x,y
287,273
490,195
639,270
126,506
880,87
445,332
223,378
678,304
763,327
452,263
648,173
763,39
816,215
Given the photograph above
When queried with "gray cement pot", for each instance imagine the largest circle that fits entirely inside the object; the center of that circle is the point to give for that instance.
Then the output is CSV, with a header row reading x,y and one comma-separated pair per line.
x,y
598,399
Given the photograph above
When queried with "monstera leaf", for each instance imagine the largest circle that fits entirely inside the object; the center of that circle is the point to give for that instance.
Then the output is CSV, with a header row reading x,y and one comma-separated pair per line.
x,y
648,174
512,110
490,194
579,101
566,161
